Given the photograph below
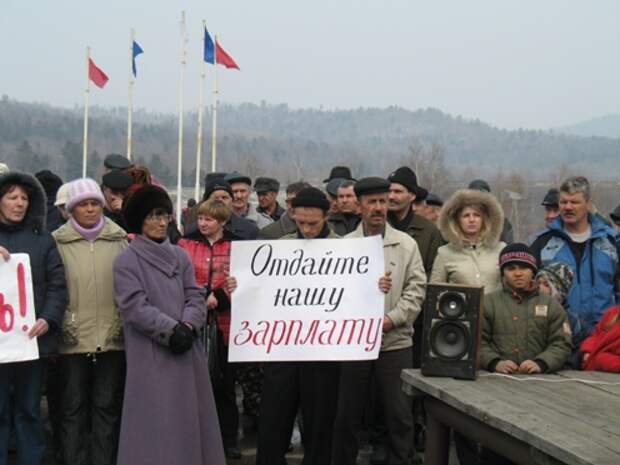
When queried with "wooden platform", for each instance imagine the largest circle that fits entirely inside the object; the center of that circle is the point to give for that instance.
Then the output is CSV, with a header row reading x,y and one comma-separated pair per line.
x,y
553,420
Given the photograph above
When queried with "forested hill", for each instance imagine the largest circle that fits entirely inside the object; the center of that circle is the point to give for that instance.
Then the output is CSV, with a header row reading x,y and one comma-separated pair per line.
x,y
291,143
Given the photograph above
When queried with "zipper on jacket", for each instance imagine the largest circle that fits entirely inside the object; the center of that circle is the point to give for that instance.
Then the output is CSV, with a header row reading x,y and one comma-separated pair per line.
x,y
98,342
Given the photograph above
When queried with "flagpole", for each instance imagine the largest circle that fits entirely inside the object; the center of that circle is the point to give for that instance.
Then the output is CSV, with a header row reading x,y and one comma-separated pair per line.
x,y
214,110
180,151
132,36
86,94
200,111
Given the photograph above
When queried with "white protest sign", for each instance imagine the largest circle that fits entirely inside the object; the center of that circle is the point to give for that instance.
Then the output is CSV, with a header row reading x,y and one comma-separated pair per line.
x,y
17,314
303,300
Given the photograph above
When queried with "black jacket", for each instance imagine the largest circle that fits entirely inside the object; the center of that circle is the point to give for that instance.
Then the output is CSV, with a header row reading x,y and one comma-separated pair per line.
x,y
48,273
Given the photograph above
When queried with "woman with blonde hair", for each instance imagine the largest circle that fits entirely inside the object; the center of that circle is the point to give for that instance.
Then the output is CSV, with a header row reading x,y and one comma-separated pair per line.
x,y
471,221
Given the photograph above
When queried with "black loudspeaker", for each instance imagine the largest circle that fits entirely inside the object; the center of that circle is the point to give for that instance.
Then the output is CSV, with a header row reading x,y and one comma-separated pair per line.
x,y
452,329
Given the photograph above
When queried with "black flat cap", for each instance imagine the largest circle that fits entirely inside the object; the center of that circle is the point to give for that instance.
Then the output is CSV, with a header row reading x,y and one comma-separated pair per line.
x,y
266,185
115,161
235,176
552,198
342,172
333,185
311,197
406,176
117,180
434,200
372,185
479,185
218,184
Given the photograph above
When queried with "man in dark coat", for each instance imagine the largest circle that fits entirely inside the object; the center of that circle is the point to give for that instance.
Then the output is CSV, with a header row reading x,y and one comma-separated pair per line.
x,y
22,230
267,192
311,386
347,218
114,186
51,182
286,224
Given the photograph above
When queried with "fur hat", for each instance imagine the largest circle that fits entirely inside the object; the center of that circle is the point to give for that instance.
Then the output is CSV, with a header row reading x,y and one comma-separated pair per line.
x,y
559,277
448,222
141,203
83,189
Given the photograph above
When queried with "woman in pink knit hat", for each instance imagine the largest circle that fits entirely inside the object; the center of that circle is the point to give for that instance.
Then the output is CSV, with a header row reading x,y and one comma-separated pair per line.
x,y
92,350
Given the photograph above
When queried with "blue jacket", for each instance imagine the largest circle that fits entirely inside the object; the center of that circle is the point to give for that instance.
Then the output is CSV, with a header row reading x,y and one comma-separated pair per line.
x,y
595,285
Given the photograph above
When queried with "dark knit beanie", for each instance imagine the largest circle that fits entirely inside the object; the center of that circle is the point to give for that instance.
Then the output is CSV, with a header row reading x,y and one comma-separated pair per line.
x,y
519,254
51,182
479,185
218,184
311,197
141,203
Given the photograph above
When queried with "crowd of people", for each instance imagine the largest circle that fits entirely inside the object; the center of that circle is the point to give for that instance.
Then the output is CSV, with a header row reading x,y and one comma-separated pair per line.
x,y
133,312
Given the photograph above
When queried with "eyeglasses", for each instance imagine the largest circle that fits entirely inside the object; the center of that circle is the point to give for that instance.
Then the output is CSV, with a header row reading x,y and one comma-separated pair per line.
x,y
159,217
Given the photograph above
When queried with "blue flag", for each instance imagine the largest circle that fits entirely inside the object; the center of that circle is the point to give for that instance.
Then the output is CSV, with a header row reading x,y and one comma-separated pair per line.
x,y
137,50
209,48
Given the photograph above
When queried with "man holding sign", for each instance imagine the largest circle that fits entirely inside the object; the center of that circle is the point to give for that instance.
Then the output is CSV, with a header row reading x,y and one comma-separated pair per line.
x,y
31,309
303,321
402,305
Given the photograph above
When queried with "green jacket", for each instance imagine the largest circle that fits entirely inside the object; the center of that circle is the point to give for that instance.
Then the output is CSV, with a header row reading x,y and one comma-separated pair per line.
x,y
534,327
92,322
428,238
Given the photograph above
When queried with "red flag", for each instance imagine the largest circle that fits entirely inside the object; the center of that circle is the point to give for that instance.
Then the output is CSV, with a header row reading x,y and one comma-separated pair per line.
x,y
224,58
96,75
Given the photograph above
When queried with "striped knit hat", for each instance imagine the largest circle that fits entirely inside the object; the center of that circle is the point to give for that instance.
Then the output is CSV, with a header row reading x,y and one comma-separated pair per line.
x,y
83,189
517,253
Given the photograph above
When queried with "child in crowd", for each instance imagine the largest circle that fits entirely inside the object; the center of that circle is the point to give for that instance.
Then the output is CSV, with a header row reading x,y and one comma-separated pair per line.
x,y
601,350
524,331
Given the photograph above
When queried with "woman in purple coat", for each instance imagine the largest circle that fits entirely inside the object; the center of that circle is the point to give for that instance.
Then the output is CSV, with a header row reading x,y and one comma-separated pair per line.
x,y
169,415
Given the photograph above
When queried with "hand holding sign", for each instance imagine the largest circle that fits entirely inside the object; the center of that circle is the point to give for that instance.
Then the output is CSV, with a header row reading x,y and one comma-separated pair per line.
x,y
18,329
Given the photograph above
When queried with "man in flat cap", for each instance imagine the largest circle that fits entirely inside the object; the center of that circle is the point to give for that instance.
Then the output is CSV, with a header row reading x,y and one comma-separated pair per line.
x,y
347,218
114,185
403,303
289,386
267,192
433,204
551,204
241,187
115,161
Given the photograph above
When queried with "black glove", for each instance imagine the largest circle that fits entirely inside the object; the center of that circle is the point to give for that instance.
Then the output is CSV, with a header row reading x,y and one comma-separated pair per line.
x,y
181,340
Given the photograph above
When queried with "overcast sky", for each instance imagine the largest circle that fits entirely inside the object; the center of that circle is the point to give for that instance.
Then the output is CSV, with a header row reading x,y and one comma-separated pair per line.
x,y
527,63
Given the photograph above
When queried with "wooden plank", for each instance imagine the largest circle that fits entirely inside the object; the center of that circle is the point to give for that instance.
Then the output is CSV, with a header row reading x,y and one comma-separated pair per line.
x,y
532,411
597,376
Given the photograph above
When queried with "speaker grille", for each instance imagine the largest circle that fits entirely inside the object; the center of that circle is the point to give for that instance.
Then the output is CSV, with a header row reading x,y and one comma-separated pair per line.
x,y
452,304
450,340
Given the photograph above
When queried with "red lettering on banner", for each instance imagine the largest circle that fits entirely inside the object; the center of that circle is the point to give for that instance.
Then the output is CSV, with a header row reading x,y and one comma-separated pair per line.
x,y
6,311
21,285
245,325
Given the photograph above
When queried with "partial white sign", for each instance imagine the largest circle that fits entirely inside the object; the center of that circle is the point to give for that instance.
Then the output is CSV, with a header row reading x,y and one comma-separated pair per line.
x,y
303,300
17,313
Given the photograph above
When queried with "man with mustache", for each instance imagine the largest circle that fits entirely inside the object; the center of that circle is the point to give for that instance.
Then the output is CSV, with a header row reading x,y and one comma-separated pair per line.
x,y
591,248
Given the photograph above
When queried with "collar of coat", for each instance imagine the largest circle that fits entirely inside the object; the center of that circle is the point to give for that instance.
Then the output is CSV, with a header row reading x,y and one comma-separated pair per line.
x,y
519,295
110,232
161,256
390,236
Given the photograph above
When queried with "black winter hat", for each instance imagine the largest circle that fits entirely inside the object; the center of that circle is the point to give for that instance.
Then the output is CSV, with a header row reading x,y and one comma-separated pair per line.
x,y
615,215
372,185
479,185
406,176
340,172
552,198
218,184
141,203
266,185
51,182
311,197
517,253
235,176
115,161
117,180
213,176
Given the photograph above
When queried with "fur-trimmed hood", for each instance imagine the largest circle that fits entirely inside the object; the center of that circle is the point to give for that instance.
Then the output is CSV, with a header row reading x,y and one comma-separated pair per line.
x,y
448,222
37,207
